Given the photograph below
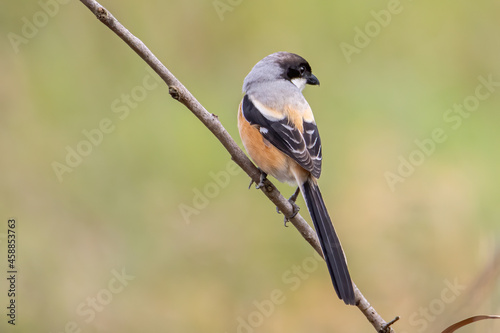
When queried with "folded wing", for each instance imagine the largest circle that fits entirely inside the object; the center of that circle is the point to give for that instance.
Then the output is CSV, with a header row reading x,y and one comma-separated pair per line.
x,y
302,146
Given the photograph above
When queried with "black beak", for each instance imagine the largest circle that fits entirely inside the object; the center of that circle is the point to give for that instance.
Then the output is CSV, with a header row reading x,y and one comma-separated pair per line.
x,y
313,80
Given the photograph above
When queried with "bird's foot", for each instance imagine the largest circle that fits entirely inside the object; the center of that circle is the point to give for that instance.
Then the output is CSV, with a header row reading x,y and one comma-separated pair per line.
x,y
263,176
296,208
294,213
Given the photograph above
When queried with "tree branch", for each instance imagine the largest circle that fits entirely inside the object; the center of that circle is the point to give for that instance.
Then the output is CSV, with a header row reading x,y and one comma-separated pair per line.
x,y
211,121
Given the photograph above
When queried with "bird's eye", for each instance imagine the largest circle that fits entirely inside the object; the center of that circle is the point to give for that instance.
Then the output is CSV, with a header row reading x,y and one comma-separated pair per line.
x,y
302,69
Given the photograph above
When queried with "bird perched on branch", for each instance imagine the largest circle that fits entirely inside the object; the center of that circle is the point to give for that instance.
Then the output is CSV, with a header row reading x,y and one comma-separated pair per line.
x,y
278,130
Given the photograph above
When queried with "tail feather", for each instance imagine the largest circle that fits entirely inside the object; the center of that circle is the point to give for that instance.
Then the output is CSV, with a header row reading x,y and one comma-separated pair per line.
x,y
330,243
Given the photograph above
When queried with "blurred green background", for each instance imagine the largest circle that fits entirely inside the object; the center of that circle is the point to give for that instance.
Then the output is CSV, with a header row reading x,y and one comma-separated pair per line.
x,y
423,249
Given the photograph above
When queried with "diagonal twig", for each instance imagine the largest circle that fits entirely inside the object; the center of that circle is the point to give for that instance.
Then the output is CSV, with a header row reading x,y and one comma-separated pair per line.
x,y
211,121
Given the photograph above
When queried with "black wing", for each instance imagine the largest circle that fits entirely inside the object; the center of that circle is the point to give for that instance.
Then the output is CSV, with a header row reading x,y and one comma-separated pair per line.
x,y
313,143
304,148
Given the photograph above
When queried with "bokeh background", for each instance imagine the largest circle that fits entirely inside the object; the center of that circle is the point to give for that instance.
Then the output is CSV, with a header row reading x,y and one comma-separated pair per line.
x,y
425,249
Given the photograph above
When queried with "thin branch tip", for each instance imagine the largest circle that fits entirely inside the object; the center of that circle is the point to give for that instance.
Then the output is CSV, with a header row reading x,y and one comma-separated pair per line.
x,y
386,328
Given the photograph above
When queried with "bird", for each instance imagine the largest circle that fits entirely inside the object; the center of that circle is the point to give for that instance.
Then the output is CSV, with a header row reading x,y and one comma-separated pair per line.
x,y
279,133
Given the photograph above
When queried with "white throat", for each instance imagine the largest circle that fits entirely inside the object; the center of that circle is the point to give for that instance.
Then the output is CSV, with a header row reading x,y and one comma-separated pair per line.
x,y
299,82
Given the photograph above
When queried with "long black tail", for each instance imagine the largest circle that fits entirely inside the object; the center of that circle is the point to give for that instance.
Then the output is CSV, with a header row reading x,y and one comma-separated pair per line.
x,y
330,243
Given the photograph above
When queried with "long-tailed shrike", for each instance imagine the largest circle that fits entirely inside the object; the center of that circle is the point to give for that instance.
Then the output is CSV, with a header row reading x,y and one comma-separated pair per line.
x,y
278,130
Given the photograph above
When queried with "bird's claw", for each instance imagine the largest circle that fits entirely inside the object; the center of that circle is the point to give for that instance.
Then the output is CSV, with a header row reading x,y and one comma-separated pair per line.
x,y
294,213
263,177
295,208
